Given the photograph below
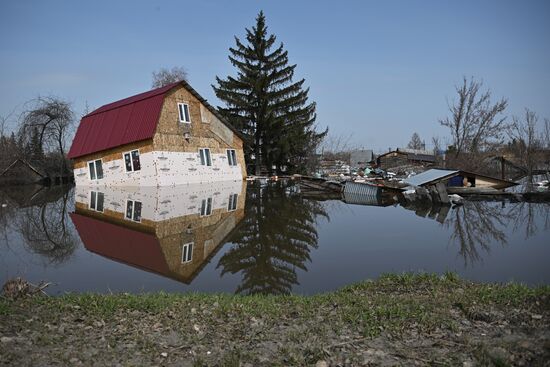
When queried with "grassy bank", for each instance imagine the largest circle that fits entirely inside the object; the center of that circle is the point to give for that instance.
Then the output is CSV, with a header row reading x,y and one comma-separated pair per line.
x,y
397,319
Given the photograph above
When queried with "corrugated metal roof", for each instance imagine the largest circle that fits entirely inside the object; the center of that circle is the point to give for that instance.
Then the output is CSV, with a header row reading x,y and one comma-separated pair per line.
x,y
430,175
126,121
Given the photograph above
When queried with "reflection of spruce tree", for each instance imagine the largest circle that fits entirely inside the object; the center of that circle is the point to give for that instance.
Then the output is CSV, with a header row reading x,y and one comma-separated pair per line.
x,y
274,239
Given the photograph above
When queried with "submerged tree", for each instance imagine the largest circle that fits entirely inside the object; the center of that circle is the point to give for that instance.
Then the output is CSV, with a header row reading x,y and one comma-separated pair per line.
x,y
274,239
475,122
266,105
168,76
46,126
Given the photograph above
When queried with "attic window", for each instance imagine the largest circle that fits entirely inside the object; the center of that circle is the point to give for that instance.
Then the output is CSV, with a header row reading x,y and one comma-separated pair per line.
x,y
186,252
183,109
95,169
131,161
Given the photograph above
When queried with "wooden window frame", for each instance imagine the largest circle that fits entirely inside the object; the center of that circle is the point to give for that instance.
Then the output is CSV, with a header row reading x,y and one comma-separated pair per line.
x,y
180,112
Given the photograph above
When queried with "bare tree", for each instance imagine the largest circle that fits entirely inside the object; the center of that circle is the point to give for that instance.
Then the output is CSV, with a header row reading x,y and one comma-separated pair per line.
x,y
337,146
474,122
168,76
53,118
546,134
436,144
416,142
525,141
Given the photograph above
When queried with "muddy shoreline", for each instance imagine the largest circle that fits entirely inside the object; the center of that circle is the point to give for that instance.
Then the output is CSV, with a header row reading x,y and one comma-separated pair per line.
x,y
395,320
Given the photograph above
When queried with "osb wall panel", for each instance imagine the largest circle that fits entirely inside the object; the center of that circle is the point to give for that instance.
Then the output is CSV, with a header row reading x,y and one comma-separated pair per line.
x,y
108,155
205,238
205,131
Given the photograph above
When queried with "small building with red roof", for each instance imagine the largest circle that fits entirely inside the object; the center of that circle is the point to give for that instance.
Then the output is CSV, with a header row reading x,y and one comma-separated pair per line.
x,y
166,136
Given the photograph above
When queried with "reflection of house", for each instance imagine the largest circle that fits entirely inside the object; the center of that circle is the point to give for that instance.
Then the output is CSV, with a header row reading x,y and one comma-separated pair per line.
x,y
457,179
167,136
405,157
170,231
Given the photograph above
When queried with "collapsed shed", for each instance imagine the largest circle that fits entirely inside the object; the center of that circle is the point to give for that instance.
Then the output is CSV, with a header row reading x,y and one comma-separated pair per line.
x,y
459,181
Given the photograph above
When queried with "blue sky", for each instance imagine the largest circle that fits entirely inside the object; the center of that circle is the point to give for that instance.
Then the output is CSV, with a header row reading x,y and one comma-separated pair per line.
x,y
379,71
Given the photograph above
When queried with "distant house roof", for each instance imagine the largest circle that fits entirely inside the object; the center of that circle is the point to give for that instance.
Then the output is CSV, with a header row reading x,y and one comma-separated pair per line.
x,y
22,162
127,121
413,154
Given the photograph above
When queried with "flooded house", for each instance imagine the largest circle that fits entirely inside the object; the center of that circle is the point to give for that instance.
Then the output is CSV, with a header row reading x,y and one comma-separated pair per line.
x,y
170,231
458,181
166,136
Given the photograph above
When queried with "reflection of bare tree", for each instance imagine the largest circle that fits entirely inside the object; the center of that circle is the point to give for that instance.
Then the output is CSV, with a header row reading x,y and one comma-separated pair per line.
x,y
526,214
44,228
475,225
274,239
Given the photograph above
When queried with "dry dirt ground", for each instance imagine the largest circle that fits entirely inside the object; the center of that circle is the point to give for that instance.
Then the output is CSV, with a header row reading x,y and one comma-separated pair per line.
x,y
409,320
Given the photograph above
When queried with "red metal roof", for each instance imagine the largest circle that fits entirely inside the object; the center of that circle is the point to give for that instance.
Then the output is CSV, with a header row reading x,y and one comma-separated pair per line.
x,y
119,243
126,121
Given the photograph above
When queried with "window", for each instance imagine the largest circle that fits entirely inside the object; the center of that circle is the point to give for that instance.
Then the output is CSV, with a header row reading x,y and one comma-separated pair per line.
x,y
133,210
183,109
206,160
231,157
186,252
96,169
96,200
206,207
232,202
131,161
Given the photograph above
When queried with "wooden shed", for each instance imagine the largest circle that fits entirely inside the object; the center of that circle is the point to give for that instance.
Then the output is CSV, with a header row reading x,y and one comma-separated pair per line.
x,y
400,157
21,172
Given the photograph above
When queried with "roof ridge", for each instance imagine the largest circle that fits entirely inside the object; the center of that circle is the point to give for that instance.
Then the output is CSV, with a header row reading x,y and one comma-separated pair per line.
x,y
132,99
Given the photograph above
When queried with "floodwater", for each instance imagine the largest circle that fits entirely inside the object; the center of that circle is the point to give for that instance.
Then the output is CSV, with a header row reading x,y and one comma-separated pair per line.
x,y
258,237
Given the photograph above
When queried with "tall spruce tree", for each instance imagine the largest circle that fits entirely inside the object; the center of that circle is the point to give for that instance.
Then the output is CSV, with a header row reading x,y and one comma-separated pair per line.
x,y
266,106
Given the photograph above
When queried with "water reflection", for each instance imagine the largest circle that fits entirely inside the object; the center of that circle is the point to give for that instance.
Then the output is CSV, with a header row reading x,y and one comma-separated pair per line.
x,y
475,226
41,220
172,231
276,237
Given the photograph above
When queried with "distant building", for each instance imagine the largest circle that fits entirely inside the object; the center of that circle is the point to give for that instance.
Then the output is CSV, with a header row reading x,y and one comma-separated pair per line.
x,y
21,172
406,157
167,136
360,158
